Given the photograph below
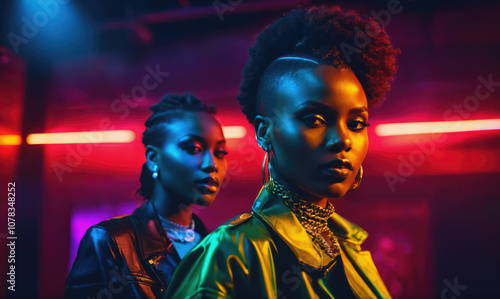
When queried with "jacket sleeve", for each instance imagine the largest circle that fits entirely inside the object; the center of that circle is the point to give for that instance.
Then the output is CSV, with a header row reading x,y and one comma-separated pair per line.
x,y
96,270
227,264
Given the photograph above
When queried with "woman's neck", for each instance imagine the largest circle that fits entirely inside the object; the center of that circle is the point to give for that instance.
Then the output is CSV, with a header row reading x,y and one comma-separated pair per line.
x,y
170,208
320,201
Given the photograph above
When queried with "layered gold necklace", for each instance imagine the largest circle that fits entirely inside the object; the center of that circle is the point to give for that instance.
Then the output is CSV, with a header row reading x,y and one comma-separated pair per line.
x,y
313,218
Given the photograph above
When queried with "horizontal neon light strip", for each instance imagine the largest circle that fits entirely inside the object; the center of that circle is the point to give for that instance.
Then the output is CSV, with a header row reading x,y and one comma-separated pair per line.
x,y
10,140
118,136
437,127
234,132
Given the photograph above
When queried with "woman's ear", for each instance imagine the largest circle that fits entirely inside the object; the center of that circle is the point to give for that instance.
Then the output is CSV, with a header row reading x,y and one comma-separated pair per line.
x,y
262,126
152,156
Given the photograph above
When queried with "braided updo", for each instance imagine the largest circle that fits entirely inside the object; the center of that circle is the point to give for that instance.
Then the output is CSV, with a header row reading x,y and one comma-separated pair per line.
x,y
170,107
325,34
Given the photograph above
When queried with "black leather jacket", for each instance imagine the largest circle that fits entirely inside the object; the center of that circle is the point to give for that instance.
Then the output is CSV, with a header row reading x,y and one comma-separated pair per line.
x,y
125,257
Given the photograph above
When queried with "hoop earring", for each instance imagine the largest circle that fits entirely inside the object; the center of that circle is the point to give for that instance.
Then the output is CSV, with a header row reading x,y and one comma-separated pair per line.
x,y
155,171
359,177
269,183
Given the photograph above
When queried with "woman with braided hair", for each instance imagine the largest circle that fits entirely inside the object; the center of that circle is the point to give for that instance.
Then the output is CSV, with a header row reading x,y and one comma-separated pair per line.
x,y
311,77
134,256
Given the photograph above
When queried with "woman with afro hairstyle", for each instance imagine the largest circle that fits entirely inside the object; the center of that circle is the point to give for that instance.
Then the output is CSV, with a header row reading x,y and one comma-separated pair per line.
x,y
311,77
134,256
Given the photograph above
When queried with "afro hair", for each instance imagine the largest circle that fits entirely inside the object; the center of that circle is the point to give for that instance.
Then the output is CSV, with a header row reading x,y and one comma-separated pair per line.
x,y
329,35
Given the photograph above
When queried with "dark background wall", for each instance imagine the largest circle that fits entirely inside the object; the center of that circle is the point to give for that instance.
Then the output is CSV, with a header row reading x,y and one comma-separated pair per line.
x,y
434,226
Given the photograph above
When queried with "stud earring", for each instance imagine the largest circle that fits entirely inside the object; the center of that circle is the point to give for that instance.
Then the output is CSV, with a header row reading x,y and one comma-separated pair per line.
x,y
155,171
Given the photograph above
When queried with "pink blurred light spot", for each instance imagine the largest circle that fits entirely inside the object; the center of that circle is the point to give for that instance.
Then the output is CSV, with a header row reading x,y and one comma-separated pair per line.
x,y
386,244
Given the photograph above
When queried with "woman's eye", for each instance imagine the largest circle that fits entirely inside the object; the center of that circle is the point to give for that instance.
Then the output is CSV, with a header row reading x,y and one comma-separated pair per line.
x,y
220,154
193,148
314,120
358,125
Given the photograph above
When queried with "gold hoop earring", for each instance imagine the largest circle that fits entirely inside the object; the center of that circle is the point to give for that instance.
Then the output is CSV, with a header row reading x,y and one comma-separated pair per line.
x,y
359,177
268,184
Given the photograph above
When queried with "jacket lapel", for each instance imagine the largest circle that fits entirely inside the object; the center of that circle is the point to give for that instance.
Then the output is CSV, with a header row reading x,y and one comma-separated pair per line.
x,y
148,229
362,274
281,219
359,268
155,249
152,237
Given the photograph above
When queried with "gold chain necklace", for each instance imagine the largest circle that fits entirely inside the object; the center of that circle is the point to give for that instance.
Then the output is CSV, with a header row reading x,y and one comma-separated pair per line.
x,y
313,218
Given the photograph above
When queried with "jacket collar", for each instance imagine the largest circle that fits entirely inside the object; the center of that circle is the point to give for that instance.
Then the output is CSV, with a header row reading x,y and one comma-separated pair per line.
x,y
358,266
150,234
346,230
281,219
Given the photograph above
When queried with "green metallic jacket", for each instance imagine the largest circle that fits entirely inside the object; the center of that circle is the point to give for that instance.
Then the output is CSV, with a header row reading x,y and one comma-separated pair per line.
x,y
267,254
